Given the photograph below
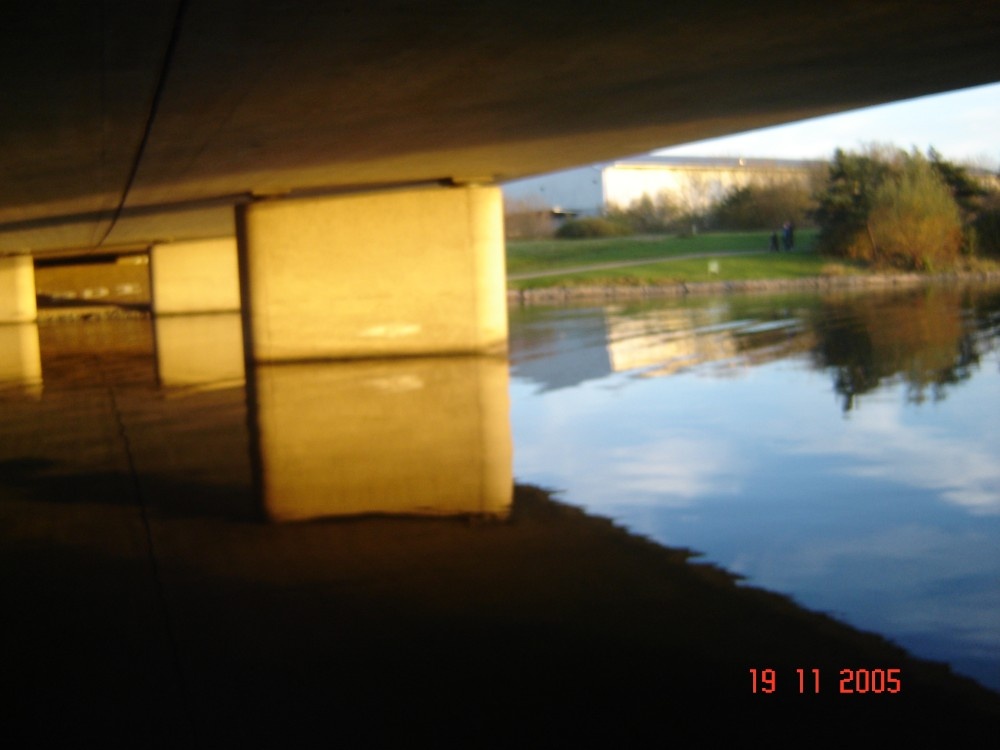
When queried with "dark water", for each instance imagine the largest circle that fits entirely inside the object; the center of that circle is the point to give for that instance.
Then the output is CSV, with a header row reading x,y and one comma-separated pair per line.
x,y
843,450
189,554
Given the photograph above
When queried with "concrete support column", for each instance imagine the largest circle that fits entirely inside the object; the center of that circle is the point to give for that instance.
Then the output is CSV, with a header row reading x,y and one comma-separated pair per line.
x,y
195,277
394,273
17,290
203,350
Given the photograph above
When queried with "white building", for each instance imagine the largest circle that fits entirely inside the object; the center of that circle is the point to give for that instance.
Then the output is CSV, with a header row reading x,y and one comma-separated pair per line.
x,y
692,183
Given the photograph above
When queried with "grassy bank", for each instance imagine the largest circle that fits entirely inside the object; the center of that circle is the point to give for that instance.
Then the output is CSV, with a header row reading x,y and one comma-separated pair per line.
x,y
666,260
526,256
669,260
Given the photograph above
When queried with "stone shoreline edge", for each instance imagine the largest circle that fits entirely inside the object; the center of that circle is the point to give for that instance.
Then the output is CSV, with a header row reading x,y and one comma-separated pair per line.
x,y
559,294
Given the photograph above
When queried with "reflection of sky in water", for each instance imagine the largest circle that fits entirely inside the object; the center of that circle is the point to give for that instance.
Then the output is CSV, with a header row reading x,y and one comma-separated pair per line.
x,y
888,516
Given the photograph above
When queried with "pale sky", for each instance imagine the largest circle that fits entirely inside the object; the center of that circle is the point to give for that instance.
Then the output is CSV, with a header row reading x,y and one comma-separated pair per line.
x,y
963,125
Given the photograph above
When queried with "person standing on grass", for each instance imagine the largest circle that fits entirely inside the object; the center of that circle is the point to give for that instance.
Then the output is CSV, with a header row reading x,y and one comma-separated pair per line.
x,y
774,242
788,236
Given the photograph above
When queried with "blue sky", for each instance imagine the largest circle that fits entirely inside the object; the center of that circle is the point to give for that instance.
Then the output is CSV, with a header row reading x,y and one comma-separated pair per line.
x,y
962,125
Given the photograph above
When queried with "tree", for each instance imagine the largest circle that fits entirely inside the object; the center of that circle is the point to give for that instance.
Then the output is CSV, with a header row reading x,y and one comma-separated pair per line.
x,y
764,206
965,189
889,207
987,225
527,219
647,215
845,201
914,221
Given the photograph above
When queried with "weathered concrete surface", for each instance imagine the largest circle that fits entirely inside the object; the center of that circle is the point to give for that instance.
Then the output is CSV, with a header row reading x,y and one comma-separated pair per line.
x,y
405,272
20,358
427,436
172,116
17,290
203,350
195,276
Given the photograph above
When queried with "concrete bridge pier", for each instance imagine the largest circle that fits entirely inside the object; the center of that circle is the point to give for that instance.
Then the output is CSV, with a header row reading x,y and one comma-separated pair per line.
x,y
410,272
17,290
199,276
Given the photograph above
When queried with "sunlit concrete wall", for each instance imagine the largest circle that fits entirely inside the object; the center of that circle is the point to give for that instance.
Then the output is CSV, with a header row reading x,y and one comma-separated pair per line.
x,y
17,290
195,277
427,436
406,272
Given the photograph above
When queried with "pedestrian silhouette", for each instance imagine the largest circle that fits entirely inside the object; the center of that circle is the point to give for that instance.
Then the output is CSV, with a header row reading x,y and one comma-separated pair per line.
x,y
788,235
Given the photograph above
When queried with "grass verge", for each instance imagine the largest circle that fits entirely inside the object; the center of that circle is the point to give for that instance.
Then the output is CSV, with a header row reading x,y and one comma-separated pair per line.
x,y
667,260
545,255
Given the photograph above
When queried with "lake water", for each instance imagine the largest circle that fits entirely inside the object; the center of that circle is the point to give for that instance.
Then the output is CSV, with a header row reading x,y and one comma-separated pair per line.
x,y
191,550
844,450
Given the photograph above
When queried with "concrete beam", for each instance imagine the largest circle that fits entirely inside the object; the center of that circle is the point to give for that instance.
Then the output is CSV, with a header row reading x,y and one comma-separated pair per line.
x,y
17,290
195,277
395,273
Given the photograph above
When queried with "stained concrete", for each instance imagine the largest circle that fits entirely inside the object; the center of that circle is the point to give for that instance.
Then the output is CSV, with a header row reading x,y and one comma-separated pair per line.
x,y
393,273
17,290
195,276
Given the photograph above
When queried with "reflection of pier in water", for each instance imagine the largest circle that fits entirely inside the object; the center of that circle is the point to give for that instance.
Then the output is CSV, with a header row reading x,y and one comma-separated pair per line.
x,y
409,436
20,357
401,436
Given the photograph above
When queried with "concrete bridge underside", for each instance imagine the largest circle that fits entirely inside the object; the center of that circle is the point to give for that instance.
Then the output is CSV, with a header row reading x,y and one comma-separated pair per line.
x,y
352,148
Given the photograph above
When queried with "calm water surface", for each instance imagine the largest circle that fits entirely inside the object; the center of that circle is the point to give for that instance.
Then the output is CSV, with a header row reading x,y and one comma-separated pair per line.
x,y
205,547
842,450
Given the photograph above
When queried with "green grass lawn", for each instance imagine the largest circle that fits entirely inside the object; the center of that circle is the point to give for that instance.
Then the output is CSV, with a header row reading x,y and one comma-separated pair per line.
x,y
664,265
543,255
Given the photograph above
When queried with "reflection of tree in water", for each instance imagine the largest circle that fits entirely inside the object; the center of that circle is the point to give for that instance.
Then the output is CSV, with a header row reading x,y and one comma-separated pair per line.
x,y
929,338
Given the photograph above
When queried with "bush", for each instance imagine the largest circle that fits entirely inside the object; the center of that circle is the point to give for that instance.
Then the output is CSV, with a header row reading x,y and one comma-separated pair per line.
x,y
913,222
591,227
527,219
890,208
763,206
648,215
845,201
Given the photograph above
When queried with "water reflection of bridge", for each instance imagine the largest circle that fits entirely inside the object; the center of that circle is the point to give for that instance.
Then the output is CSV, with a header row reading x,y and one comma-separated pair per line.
x,y
410,435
